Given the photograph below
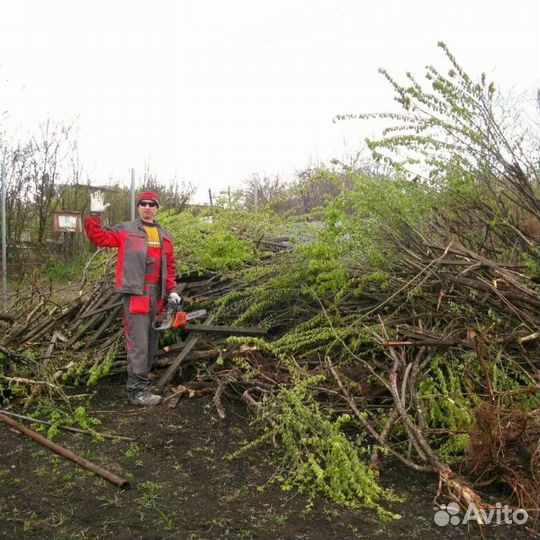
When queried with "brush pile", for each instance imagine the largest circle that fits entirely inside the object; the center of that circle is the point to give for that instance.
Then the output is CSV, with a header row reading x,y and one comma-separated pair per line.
x,y
81,340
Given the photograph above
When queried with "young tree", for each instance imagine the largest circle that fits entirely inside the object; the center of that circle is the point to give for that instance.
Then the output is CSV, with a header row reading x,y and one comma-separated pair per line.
x,y
18,189
262,191
458,137
50,149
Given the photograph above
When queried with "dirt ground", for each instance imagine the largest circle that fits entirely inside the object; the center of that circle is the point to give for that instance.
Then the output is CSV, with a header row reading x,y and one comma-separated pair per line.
x,y
183,487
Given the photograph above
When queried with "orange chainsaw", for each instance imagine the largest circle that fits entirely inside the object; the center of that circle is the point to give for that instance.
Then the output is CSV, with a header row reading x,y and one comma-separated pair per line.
x,y
173,316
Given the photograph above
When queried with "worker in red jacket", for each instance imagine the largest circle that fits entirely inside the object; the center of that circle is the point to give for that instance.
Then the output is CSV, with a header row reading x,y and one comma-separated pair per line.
x,y
145,276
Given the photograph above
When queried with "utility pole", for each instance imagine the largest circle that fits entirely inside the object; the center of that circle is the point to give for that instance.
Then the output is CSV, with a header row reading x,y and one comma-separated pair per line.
x,y
132,194
4,236
211,203
256,195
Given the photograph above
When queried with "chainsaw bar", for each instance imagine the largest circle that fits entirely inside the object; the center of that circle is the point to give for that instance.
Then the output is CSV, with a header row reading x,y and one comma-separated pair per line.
x,y
180,318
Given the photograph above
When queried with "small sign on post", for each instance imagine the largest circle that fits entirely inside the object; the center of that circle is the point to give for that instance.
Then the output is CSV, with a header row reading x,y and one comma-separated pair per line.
x,y
67,222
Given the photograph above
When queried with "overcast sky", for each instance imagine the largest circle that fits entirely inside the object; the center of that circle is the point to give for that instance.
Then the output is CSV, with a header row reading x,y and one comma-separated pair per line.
x,y
214,91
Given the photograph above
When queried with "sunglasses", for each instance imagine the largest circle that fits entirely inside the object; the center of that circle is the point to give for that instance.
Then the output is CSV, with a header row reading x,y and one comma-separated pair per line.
x,y
151,204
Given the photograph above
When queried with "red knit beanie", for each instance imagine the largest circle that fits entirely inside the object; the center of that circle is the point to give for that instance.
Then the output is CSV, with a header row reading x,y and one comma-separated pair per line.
x,y
148,196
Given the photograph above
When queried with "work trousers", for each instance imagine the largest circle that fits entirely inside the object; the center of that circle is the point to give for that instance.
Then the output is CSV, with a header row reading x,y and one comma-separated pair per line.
x,y
141,338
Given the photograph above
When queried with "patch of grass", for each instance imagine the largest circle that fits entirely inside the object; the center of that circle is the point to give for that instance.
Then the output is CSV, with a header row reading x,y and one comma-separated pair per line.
x,y
149,494
81,534
58,271
133,451
167,521
30,523
56,519
111,499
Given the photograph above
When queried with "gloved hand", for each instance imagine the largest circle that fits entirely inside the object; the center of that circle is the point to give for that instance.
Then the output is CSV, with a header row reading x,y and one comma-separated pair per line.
x,y
96,202
173,297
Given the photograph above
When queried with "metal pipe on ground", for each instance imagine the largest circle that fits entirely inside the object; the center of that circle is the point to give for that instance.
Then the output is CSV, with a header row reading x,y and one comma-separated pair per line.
x,y
65,453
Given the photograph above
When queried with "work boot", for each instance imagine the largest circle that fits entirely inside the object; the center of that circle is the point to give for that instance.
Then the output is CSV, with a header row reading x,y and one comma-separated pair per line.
x,y
144,398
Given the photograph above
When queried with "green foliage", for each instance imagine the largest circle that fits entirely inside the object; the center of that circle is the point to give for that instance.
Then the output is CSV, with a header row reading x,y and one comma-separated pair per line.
x,y
315,336
224,251
304,339
133,451
321,261
81,418
317,456
449,124
447,395
379,278
64,417
249,372
273,289
59,271
77,370
508,378
350,233
456,383
102,368
376,201
532,266
353,229
454,446
477,156
226,241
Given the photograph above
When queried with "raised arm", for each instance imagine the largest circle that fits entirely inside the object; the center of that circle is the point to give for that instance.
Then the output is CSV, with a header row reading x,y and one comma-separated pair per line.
x,y
96,233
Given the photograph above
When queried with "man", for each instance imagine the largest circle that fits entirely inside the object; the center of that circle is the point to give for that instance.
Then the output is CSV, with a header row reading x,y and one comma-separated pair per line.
x,y
145,276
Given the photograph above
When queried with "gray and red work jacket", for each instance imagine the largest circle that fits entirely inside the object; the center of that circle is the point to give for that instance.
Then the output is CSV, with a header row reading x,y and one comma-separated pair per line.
x,y
138,265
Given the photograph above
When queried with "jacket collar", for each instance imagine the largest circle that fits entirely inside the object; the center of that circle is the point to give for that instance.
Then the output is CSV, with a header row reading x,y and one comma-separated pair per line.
x,y
142,223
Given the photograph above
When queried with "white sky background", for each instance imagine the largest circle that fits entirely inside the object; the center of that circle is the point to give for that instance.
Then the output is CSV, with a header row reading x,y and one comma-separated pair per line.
x,y
214,91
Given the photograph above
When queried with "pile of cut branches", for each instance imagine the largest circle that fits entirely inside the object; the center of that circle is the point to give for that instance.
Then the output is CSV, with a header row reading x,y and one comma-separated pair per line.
x,y
48,342
404,323
414,357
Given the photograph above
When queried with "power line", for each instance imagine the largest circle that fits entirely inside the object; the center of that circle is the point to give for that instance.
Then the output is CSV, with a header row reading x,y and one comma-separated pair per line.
x,y
271,20
310,24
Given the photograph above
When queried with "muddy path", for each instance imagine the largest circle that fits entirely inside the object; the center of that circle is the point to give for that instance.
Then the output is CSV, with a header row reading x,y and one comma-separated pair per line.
x,y
183,487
